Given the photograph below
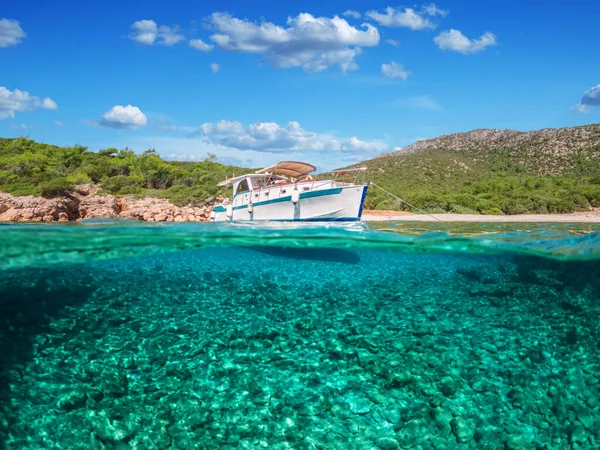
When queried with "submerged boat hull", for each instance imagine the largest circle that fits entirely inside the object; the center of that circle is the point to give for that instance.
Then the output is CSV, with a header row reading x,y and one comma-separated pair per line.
x,y
332,204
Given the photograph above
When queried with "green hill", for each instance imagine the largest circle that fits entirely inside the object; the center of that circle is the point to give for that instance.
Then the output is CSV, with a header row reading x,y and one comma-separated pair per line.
x,y
31,168
493,172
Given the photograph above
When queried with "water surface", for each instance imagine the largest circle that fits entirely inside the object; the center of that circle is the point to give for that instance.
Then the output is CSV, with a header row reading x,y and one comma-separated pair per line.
x,y
393,335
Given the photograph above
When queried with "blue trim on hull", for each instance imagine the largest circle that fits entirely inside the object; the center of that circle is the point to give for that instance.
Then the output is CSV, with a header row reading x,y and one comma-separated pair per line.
x,y
287,198
362,201
330,219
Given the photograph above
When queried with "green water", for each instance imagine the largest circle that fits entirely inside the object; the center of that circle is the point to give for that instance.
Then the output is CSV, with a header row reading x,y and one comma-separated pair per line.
x,y
388,336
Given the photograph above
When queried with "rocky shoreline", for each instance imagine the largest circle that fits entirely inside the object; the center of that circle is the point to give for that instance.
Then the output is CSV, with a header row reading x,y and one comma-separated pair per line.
x,y
86,203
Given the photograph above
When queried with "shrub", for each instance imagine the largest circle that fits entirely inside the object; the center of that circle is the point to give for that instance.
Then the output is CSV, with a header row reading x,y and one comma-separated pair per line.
x,y
56,187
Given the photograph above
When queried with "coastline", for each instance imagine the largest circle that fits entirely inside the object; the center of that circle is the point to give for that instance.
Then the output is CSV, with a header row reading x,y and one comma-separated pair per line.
x,y
576,217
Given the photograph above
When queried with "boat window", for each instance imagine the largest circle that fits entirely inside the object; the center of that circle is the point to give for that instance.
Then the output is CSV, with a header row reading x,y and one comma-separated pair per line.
x,y
243,186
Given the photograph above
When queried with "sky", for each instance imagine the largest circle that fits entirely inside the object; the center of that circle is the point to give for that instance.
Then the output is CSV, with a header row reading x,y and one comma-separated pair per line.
x,y
330,83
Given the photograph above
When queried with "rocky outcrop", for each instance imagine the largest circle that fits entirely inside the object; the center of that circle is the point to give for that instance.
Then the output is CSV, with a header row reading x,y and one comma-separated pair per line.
x,y
37,209
161,210
85,203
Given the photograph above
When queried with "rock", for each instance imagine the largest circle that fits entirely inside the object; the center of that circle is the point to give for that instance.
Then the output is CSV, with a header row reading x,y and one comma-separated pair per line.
x,y
401,379
448,386
489,347
73,400
359,405
386,443
36,209
462,429
412,434
98,207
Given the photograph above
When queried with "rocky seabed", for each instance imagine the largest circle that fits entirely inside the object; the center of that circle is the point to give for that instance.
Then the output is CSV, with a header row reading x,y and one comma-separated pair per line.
x,y
411,352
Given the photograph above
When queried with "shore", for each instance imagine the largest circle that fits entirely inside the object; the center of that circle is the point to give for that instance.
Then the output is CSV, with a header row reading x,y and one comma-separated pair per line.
x,y
380,216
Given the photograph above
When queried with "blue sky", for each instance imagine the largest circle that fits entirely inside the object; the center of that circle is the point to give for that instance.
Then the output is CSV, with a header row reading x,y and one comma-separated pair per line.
x,y
256,82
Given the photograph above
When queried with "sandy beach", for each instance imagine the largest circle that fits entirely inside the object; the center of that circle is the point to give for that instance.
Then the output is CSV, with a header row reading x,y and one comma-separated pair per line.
x,y
582,217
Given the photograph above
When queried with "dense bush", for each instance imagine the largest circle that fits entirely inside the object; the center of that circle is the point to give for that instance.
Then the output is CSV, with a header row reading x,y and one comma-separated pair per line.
x,y
487,181
31,168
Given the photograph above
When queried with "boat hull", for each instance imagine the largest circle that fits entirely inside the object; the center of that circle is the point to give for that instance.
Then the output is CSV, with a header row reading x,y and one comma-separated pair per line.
x,y
333,204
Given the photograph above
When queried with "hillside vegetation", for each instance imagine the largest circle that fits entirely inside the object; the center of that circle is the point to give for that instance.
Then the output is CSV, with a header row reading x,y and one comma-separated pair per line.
x,y
31,168
493,172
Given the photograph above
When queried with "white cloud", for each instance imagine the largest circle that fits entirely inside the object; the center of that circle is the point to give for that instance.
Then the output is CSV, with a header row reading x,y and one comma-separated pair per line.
x,y
11,33
199,44
456,41
144,32
433,10
17,100
590,98
214,67
58,123
581,109
393,42
393,70
406,17
271,137
313,43
169,36
21,127
422,102
351,13
147,32
124,117
48,103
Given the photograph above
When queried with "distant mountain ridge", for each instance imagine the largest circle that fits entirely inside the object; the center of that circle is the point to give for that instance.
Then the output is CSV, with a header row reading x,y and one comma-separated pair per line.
x,y
551,140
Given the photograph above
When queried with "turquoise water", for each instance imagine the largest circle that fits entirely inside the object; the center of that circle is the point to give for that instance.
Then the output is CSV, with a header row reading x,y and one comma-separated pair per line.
x,y
393,335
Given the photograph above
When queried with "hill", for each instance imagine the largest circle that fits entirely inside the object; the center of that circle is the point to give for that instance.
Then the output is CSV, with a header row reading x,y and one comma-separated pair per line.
x,y
32,168
493,172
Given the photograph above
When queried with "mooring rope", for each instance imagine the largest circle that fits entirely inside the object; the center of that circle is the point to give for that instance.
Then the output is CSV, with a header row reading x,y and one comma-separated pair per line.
x,y
404,201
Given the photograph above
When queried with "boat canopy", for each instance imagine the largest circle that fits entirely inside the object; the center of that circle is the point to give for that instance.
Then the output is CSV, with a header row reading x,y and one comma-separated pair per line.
x,y
289,169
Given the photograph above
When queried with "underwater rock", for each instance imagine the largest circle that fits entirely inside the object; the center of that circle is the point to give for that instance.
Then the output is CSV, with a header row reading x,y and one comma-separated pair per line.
x,y
412,434
448,386
359,405
73,400
386,443
462,429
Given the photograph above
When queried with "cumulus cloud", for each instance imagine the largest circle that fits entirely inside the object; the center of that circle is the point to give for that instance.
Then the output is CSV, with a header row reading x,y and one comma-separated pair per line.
x,y
312,43
271,137
48,103
454,40
407,17
11,33
393,42
393,70
199,44
124,117
351,13
590,98
214,67
147,32
144,32
17,100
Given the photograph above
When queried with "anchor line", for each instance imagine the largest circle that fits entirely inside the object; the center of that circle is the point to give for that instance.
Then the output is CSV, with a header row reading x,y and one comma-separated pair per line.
x,y
404,201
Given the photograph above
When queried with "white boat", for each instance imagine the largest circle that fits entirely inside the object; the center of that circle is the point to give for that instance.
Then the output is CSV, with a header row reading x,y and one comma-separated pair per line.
x,y
287,191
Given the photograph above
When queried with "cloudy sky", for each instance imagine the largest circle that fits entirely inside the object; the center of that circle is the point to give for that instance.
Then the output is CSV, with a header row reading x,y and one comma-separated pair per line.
x,y
256,82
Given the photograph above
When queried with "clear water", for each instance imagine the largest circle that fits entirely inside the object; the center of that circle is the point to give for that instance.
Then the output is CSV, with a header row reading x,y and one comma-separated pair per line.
x,y
394,335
